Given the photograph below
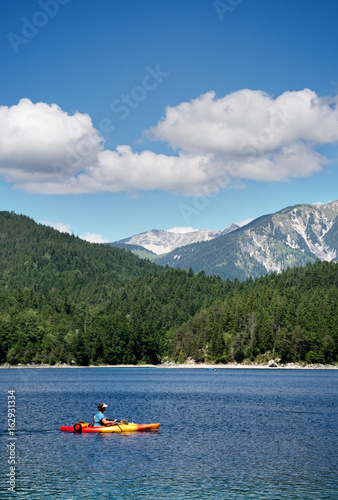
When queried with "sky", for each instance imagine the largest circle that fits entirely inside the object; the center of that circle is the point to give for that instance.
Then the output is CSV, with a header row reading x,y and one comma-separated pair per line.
x,y
121,116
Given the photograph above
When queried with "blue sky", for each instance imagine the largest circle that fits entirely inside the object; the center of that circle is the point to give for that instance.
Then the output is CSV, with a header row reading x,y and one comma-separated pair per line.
x,y
122,116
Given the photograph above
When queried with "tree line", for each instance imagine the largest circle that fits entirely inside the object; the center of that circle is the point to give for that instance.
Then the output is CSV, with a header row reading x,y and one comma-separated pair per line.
x,y
292,316
130,327
64,299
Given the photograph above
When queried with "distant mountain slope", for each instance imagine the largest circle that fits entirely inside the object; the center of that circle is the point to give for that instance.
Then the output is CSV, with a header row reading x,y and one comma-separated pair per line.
x,y
141,252
160,242
36,256
291,237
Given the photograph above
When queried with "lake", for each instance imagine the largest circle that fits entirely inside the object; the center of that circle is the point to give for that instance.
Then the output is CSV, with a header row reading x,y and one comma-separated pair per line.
x,y
225,434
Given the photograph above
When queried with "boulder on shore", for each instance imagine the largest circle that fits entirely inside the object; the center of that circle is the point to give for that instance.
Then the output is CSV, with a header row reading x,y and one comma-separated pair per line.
x,y
272,364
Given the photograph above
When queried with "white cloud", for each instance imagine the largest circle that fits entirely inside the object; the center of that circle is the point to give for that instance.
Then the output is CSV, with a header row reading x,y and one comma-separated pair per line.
x,y
246,117
250,135
181,230
244,222
219,142
60,226
124,170
40,143
65,228
94,238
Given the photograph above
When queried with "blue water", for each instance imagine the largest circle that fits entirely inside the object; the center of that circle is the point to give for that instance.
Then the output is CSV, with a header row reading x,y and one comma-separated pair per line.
x,y
225,434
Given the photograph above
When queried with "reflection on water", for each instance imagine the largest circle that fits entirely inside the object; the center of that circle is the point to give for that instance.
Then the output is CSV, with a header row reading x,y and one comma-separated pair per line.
x,y
232,434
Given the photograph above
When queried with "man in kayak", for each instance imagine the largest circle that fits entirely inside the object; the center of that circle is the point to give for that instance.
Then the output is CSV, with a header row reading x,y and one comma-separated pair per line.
x,y
100,419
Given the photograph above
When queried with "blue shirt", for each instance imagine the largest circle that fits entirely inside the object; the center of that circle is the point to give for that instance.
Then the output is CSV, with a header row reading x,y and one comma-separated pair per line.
x,y
98,417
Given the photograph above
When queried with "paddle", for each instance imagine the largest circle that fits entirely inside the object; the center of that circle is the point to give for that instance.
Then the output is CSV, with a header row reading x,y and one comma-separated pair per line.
x,y
125,422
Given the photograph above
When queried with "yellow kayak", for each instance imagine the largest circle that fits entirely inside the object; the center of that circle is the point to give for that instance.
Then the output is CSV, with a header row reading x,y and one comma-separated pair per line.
x,y
119,427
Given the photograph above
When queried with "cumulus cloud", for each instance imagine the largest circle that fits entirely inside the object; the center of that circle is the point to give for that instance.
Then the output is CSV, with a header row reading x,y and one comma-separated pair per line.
x,y
39,143
66,228
93,238
124,170
244,222
248,118
251,135
60,226
217,141
181,230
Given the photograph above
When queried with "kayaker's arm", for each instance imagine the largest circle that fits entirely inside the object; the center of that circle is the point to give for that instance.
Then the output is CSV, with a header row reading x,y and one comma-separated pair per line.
x,y
108,423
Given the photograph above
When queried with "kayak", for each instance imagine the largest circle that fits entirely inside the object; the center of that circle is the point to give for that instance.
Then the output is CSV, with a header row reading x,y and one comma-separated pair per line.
x,y
130,427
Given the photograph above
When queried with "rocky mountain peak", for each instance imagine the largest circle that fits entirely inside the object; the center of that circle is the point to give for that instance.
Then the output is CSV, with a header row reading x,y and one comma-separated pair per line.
x,y
161,242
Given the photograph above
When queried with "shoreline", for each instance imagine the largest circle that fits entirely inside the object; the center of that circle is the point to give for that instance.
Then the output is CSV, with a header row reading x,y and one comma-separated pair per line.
x,y
189,365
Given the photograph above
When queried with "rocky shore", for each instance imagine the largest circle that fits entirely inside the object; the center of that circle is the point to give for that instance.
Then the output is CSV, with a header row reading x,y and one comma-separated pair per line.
x,y
189,364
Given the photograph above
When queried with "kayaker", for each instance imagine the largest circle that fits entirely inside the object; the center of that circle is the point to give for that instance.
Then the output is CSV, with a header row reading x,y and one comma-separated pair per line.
x,y
100,419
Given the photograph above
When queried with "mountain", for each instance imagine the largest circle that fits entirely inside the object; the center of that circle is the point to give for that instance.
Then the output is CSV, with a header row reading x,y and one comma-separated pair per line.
x,y
39,257
141,252
160,242
63,298
289,238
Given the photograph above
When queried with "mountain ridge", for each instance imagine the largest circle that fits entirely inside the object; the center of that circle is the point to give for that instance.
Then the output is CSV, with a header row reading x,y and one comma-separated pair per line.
x,y
160,241
290,237
67,300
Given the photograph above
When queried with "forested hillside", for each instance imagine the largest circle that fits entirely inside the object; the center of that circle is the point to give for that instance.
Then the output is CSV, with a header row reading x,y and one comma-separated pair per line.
x,y
63,299
292,316
43,259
